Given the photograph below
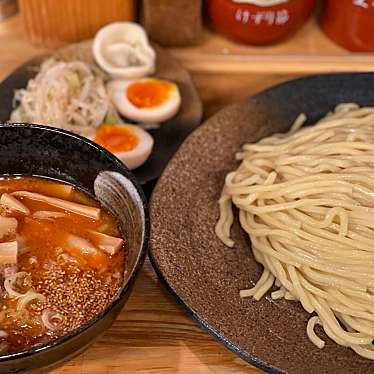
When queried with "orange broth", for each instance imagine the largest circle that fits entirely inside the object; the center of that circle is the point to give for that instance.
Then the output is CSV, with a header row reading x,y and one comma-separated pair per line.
x,y
76,285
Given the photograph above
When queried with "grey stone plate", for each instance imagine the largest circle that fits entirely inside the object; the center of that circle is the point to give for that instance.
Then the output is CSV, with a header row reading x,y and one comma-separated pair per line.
x,y
203,274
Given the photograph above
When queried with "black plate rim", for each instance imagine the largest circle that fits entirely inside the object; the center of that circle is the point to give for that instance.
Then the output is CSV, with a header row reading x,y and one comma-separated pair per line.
x,y
219,337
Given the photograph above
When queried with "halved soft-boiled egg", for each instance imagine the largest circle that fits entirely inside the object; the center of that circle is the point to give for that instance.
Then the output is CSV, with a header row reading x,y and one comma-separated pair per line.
x,y
131,144
145,100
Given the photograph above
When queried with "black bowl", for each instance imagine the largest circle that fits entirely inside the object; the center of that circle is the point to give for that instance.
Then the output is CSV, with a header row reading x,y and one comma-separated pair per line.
x,y
53,153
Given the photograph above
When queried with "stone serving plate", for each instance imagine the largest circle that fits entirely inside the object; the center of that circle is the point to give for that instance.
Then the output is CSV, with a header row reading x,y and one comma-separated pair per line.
x,y
203,274
48,152
167,138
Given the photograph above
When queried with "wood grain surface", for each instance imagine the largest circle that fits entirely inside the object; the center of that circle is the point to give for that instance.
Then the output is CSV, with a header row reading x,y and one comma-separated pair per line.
x,y
308,51
152,334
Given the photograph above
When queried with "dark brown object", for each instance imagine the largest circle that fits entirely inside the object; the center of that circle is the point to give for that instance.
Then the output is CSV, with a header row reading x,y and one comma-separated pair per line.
x,y
204,275
173,22
7,8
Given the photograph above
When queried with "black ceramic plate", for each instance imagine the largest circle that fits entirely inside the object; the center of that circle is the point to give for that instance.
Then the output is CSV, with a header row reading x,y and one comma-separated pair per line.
x,y
203,274
167,138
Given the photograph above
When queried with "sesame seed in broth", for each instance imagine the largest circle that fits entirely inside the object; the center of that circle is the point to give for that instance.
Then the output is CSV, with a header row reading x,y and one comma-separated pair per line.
x,y
77,294
71,283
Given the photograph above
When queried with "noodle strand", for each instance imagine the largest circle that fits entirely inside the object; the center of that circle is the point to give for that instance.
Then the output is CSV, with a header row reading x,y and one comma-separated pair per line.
x,y
306,199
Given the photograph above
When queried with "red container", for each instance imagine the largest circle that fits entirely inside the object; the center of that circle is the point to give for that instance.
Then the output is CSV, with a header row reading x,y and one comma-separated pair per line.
x,y
254,24
350,23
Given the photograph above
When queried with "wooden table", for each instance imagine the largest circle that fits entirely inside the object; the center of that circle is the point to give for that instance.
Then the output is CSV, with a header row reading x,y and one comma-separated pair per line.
x,y
152,334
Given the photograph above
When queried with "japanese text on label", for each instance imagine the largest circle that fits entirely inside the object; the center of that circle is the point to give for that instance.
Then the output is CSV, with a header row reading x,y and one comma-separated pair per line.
x,y
279,17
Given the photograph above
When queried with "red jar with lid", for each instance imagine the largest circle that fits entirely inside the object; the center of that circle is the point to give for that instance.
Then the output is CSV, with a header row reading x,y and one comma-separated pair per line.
x,y
248,22
350,23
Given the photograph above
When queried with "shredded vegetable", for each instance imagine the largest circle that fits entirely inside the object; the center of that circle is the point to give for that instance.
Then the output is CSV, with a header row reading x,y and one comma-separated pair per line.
x,y
66,95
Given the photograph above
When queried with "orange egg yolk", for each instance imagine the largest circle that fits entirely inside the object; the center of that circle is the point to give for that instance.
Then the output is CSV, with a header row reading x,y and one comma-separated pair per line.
x,y
116,138
149,93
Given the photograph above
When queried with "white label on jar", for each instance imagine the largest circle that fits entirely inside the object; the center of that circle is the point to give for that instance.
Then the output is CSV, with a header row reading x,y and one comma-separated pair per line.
x,y
261,2
268,17
364,3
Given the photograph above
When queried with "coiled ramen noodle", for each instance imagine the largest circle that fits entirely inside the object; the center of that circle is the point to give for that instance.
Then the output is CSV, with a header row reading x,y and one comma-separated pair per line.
x,y
306,199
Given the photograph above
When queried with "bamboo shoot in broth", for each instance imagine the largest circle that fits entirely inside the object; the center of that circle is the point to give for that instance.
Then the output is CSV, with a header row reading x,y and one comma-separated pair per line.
x,y
62,261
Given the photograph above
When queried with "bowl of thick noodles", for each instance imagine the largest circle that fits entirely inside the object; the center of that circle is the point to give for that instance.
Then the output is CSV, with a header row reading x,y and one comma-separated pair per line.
x,y
73,237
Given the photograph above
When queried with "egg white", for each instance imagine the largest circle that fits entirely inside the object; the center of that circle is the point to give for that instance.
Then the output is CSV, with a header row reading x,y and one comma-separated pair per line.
x,y
141,152
117,90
